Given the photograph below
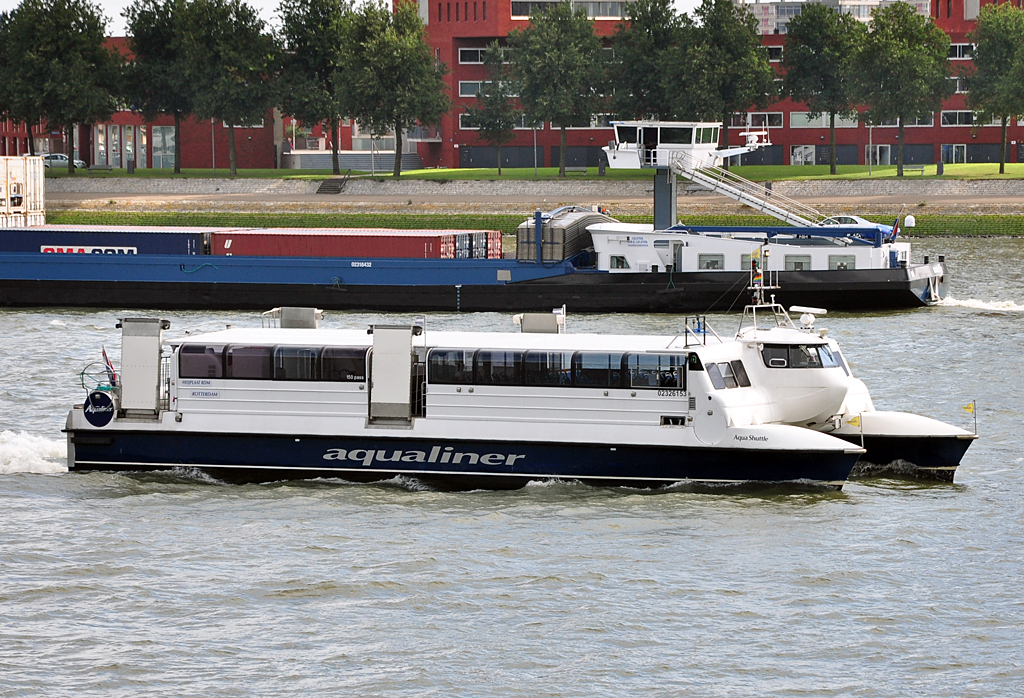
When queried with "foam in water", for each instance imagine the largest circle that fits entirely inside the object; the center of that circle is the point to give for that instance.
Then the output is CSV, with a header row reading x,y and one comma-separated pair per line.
x,y
27,453
981,305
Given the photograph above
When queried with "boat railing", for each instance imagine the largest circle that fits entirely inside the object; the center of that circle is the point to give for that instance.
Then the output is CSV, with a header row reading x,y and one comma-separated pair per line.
x,y
695,328
163,402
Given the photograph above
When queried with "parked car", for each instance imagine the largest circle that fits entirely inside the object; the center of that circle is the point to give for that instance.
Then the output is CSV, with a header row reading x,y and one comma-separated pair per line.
x,y
856,222
59,160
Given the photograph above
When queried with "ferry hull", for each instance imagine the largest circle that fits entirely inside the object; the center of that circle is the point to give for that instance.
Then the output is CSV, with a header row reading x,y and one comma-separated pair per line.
x,y
240,458
924,457
580,291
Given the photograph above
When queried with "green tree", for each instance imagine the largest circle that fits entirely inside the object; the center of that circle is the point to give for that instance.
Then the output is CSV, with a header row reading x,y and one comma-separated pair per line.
x,y
56,67
495,112
653,27
719,67
559,68
995,89
314,36
902,69
155,82
819,62
391,79
229,64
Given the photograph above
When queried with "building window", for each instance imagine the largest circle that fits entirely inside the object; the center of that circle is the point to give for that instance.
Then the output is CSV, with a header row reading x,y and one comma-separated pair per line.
x,y
756,120
469,88
957,118
774,54
959,85
485,11
439,15
474,11
615,9
471,56
466,122
802,119
922,121
961,52
801,155
877,154
449,12
954,153
456,12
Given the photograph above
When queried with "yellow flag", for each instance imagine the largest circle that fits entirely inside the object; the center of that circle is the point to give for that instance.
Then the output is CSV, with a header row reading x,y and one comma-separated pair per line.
x,y
855,422
969,409
756,253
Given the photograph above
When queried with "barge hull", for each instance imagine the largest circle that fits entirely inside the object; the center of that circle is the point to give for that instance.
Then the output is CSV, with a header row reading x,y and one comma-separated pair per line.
x,y
241,458
226,285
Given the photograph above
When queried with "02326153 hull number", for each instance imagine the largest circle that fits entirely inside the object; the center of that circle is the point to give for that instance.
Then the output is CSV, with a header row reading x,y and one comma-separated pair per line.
x,y
671,393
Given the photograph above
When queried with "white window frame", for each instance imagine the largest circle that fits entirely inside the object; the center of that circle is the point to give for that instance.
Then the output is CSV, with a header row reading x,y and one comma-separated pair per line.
x,y
462,116
748,119
479,62
774,48
467,83
954,147
961,52
803,150
958,112
820,122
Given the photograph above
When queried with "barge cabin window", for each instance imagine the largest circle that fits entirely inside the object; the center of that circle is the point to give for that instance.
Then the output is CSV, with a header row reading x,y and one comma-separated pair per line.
x,y
285,363
581,369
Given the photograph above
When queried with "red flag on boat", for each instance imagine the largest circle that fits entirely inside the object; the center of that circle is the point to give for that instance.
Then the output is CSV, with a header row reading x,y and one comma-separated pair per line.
x,y
111,373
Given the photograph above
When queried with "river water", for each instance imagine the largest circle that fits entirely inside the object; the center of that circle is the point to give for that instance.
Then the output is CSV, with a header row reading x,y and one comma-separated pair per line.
x,y
120,585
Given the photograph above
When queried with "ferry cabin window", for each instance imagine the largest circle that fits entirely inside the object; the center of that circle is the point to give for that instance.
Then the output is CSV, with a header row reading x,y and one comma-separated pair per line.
x,y
799,356
728,374
626,134
343,364
200,361
656,371
296,363
711,261
548,368
798,262
248,362
617,261
597,370
450,366
842,261
676,135
498,367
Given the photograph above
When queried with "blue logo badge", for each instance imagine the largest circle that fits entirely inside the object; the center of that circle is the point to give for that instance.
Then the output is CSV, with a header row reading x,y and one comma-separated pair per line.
x,y
99,408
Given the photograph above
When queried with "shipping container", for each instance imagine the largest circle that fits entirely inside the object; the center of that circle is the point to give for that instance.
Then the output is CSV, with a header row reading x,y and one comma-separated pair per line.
x,y
564,234
494,244
343,242
22,191
84,239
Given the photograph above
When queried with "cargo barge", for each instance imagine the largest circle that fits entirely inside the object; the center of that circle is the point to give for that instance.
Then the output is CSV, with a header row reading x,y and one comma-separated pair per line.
x,y
589,262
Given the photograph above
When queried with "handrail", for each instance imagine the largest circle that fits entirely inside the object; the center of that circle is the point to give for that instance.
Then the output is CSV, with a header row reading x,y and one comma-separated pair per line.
x,y
743,190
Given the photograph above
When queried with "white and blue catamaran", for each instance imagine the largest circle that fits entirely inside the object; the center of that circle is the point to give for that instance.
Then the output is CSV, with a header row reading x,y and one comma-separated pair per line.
x,y
496,410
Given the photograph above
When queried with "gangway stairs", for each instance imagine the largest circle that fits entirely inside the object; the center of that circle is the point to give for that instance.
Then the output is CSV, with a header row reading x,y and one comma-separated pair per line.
x,y
756,196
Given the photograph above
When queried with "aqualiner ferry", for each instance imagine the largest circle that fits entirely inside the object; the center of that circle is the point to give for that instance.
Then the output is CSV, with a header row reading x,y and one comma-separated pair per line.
x,y
494,410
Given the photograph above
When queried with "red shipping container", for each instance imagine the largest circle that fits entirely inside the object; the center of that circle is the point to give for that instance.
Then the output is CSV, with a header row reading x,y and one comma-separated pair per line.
x,y
340,242
493,244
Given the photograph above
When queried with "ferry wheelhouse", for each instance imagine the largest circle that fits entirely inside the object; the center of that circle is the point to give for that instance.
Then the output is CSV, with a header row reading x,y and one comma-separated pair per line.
x,y
475,409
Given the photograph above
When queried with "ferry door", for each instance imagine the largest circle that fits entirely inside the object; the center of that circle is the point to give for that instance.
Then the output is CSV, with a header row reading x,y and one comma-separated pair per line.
x,y
391,373
649,144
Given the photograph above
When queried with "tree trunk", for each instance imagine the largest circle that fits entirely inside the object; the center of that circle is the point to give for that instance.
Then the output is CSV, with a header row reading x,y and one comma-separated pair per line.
x,y
334,145
725,137
177,142
499,159
398,151
561,151
899,150
71,149
1002,148
832,143
31,141
232,155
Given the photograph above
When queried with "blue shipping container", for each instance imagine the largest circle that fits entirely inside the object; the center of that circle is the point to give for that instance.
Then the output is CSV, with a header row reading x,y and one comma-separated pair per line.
x,y
103,240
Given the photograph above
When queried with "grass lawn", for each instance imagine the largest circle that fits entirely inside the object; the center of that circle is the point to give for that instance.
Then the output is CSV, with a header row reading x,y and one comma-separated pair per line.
x,y
944,225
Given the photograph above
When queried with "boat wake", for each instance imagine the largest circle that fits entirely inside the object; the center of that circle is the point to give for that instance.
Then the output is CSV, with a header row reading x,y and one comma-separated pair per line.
x,y
981,305
26,453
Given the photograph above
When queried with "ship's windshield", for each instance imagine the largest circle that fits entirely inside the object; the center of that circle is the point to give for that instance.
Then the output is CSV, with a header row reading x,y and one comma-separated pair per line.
x,y
799,356
625,134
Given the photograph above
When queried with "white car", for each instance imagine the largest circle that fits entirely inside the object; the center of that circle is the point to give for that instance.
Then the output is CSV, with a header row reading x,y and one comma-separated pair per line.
x,y
856,222
59,160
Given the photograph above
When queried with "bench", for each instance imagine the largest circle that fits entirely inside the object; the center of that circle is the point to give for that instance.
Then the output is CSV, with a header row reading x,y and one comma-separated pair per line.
x,y
97,168
917,168
574,168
